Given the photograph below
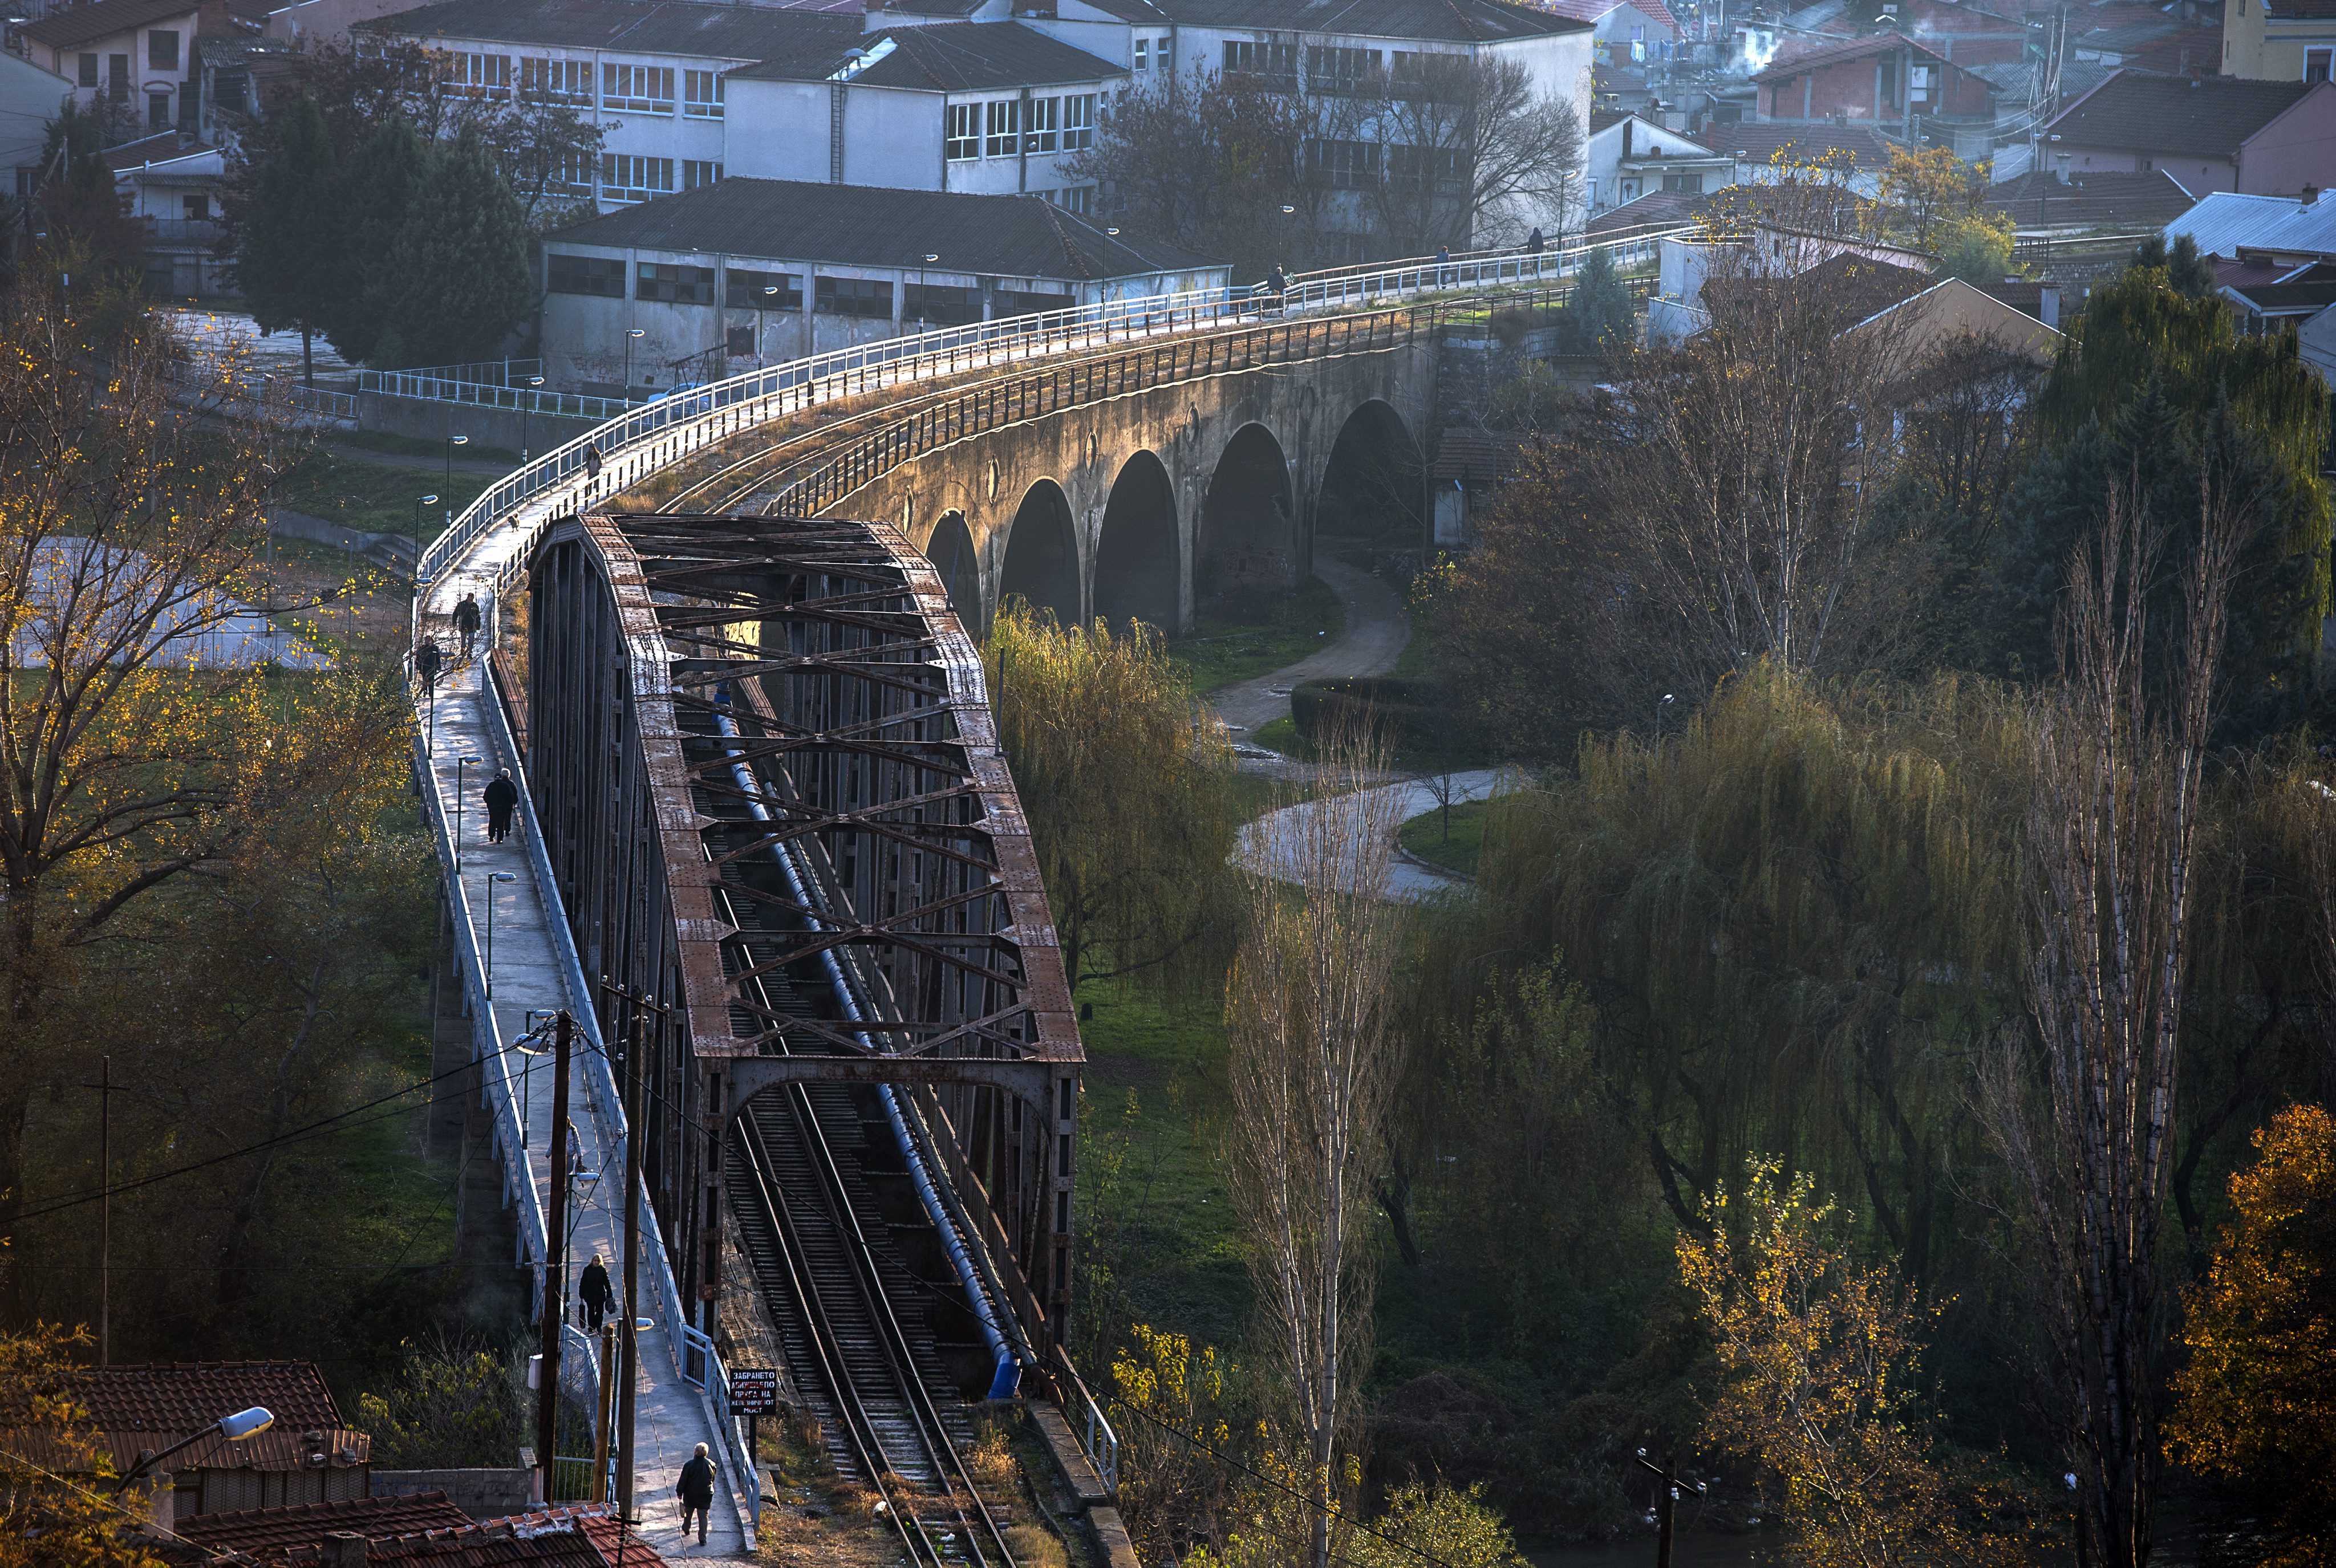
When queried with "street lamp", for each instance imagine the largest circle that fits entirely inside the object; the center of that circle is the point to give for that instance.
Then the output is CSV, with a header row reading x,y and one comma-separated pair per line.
x,y
414,587
460,763
451,442
242,1424
631,334
533,380
762,303
492,878
1659,716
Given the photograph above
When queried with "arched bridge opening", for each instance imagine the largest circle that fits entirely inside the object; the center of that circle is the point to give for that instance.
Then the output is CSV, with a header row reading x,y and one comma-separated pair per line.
x,y
770,788
1249,526
1373,485
1137,573
1042,554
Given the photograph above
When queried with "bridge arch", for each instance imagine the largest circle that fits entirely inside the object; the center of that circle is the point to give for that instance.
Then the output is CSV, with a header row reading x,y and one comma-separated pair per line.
x,y
1249,520
1138,564
1373,482
1042,554
958,561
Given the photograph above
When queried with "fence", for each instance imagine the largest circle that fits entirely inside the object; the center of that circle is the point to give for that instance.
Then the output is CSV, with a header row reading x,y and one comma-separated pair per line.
x,y
439,386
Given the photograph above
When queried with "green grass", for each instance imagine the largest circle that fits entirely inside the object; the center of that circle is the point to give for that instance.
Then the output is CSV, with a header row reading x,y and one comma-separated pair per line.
x,y
1424,835
1221,653
1282,735
374,497
422,446
1151,1186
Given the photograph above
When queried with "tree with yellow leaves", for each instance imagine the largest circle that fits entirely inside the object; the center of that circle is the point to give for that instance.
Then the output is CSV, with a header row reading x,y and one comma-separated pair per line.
x,y
1170,1491
58,1508
2257,1403
1821,1356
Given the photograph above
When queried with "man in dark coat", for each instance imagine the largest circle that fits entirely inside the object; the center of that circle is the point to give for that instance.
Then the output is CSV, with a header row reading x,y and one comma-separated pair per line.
x,y
466,621
696,1491
426,661
597,1295
1534,241
502,799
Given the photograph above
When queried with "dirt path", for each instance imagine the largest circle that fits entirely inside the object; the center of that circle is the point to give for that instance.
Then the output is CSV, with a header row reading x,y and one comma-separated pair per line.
x,y
1268,844
1376,629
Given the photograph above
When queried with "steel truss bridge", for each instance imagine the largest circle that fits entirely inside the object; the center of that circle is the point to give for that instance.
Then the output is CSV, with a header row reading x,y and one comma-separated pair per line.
x,y
781,869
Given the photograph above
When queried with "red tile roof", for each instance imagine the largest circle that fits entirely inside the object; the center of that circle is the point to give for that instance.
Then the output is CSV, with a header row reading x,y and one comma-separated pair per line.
x,y
184,1397
562,1537
1592,10
271,1532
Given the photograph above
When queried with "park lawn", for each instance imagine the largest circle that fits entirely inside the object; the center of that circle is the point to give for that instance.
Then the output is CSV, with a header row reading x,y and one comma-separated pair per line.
x,y
1424,835
375,497
1221,653
422,446
1151,1176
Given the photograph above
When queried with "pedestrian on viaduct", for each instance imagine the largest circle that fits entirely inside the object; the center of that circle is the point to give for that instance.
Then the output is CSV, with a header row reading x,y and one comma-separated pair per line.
x,y
502,799
466,621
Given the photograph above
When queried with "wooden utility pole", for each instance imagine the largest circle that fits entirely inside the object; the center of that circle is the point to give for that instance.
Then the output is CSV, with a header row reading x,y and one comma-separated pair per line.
x,y
1666,1490
105,1211
635,1096
555,1262
607,1399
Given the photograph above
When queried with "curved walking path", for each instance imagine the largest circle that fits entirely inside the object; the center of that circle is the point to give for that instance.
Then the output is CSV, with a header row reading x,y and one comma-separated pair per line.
x,y
1378,626
1266,845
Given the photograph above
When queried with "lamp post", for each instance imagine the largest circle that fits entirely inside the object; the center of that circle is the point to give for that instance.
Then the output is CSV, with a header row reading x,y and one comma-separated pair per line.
x,y
631,333
532,382
930,257
460,763
451,442
492,878
762,303
242,1424
414,588
1659,716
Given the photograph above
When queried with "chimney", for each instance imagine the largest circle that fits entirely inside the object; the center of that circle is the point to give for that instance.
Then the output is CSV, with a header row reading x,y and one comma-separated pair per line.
x,y
2311,194
2047,303
345,1549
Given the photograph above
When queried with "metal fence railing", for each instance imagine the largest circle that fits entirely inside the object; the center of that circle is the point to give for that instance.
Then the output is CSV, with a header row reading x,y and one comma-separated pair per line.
x,y
438,386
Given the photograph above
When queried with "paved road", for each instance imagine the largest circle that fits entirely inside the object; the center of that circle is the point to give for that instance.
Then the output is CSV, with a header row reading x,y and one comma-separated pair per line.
x,y
1262,842
1376,629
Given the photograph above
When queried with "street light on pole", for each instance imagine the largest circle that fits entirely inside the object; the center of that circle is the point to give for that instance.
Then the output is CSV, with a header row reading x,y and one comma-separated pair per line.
x,y
460,763
414,587
762,303
631,333
242,1424
930,257
451,442
532,382
492,878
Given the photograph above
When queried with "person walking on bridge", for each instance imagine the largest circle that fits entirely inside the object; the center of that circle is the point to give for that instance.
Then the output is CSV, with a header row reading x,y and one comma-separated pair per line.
x,y
426,661
502,799
696,1491
597,1294
466,621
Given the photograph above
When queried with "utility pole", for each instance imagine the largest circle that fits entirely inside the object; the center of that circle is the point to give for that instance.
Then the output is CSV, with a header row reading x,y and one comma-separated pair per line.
x,y
634,1081
555,1270
1666,1490
105,1211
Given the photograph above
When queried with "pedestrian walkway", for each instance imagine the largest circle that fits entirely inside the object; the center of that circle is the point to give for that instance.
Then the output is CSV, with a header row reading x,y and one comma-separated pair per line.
x,y
1270,847
513,916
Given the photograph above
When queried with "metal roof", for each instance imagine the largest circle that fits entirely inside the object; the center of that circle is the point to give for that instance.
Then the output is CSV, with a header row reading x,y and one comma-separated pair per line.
x,y
1437,21
2227,222
876,225
2145,111
948,57
683,28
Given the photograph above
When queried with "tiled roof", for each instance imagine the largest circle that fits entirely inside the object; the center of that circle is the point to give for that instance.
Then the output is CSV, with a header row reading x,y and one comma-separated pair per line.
x,y
560,1537
159,148
269,1532
1655,210
876,225
2097,200
1441,20
2226,223
684,27
950,57
87,24
183,1396
1593,11
1789,67
2127,37
2178,52
2145,111
1756,141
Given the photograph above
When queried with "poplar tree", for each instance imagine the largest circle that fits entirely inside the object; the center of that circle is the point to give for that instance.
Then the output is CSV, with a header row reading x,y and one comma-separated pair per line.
x,y
385,180
294,267
457,278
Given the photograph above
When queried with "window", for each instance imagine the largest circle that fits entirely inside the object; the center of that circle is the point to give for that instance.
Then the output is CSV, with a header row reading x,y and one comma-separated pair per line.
x,y
2315,64
1078,123
162,51
558,81
571,176
667,284
745,290
702,94
1143,54
1004,117
599,275
157,110
117,78
1345,165
647,89
699,171
939,305
1339,69
625,177
964,139
1079,198
855,296
480,75
1689,183
1423,167
88,68
1013,302
1160,55
194,208
741,343
1272,61
1040,135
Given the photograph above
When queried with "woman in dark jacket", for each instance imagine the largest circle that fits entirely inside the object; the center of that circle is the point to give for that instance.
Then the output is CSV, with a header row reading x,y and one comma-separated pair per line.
x,y
599,1296
696,1491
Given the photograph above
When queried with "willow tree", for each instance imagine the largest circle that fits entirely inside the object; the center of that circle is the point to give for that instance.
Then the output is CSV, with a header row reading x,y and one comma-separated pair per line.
x,y
1127,783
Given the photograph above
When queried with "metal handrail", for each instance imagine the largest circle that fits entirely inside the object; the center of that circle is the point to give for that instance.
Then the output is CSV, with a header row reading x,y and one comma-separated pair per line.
x,y
1101,1442
680,423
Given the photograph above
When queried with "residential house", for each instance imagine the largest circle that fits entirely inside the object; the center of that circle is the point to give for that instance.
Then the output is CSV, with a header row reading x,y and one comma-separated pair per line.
x,y
138,56
1622,32
1870,289
2278,40
405,1535
2281,299
31,96
2270,230
652,71
2315,345
175,182
715,279
992,108
2209,132
2102,202
1885,80
1628,155
306,1456
1767,151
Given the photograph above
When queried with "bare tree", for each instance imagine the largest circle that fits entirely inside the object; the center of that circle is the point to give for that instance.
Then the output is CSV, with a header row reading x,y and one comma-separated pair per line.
x,y
1314,1064
2112,828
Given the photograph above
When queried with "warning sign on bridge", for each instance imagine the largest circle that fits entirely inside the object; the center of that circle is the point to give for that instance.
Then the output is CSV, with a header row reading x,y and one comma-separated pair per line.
x,y
754,1391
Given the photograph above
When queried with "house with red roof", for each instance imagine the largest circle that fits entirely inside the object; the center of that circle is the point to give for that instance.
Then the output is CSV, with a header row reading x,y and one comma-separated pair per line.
x,y
1622,32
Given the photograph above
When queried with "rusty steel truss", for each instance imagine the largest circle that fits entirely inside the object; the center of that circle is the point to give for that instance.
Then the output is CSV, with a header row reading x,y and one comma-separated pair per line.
x,y
770,786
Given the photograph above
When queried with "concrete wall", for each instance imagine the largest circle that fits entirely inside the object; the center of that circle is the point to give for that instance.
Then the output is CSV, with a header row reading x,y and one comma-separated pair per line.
x,y
30,97
480,1494
1086,452
434,421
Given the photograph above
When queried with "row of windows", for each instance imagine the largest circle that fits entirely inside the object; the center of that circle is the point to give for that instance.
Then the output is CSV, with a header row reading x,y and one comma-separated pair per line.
x,y
1329,68
642,89
1154,54
161,54
997,129
1351,165
670,283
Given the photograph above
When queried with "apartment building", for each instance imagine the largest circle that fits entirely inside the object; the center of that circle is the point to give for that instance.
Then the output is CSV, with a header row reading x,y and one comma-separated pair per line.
x,y
2278,40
